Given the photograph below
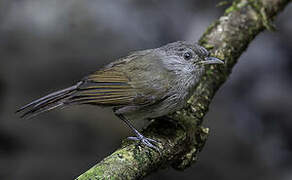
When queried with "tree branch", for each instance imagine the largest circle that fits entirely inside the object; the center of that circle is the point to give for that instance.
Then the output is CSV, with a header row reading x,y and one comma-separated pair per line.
x,y
227,38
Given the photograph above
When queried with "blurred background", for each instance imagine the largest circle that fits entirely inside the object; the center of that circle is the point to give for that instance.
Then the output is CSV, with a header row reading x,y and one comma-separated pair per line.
x,y
49,45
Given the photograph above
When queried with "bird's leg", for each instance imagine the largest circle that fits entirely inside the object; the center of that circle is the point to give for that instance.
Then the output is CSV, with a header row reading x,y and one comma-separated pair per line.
x,y
139,137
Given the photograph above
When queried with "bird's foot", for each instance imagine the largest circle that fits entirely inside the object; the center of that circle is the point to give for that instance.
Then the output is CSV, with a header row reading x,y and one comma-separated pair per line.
x,y
145,141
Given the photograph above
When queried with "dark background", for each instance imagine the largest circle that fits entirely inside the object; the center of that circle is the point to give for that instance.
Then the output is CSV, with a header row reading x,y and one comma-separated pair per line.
x,y
46,45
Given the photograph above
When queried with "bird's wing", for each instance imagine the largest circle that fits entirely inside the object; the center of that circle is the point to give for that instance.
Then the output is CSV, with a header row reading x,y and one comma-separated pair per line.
x,y
123,84
104,87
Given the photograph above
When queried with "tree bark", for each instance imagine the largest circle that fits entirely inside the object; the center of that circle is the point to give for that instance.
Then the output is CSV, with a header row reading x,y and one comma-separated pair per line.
x,y
227,38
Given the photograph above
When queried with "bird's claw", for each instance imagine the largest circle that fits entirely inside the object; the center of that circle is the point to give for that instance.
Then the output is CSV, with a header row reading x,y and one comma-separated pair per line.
x,y
145,141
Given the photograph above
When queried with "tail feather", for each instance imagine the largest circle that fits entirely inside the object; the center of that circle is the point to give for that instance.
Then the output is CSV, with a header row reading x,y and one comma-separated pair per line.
x,y
47,103
34,112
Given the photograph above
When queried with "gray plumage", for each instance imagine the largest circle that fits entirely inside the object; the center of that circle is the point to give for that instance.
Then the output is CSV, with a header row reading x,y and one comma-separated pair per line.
x,y
145,84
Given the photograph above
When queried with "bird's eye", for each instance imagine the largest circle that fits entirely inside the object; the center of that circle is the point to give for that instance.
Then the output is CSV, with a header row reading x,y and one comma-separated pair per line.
x,y
188,55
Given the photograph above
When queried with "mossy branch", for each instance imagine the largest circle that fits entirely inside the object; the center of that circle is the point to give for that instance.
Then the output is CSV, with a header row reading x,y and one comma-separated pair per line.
x,y
227,38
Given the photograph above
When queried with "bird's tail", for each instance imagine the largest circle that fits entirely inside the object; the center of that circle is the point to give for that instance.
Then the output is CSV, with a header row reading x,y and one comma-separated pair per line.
x,y
54,100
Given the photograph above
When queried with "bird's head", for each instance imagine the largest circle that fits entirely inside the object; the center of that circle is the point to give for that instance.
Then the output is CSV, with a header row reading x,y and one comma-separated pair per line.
x,y
191,53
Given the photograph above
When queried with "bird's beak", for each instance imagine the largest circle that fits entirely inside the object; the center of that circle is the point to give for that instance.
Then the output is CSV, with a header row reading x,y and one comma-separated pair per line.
x,y
212,60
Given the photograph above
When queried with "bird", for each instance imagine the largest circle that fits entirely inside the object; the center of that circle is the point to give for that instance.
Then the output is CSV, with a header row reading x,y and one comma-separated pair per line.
x,y
145,84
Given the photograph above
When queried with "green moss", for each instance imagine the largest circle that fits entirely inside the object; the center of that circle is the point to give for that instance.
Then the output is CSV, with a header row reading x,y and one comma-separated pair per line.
x,y
222,3
204,41
261,11
234,7
230,9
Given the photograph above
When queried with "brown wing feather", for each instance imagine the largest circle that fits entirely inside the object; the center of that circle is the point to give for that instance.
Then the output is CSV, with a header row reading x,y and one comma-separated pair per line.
x,y
105,87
